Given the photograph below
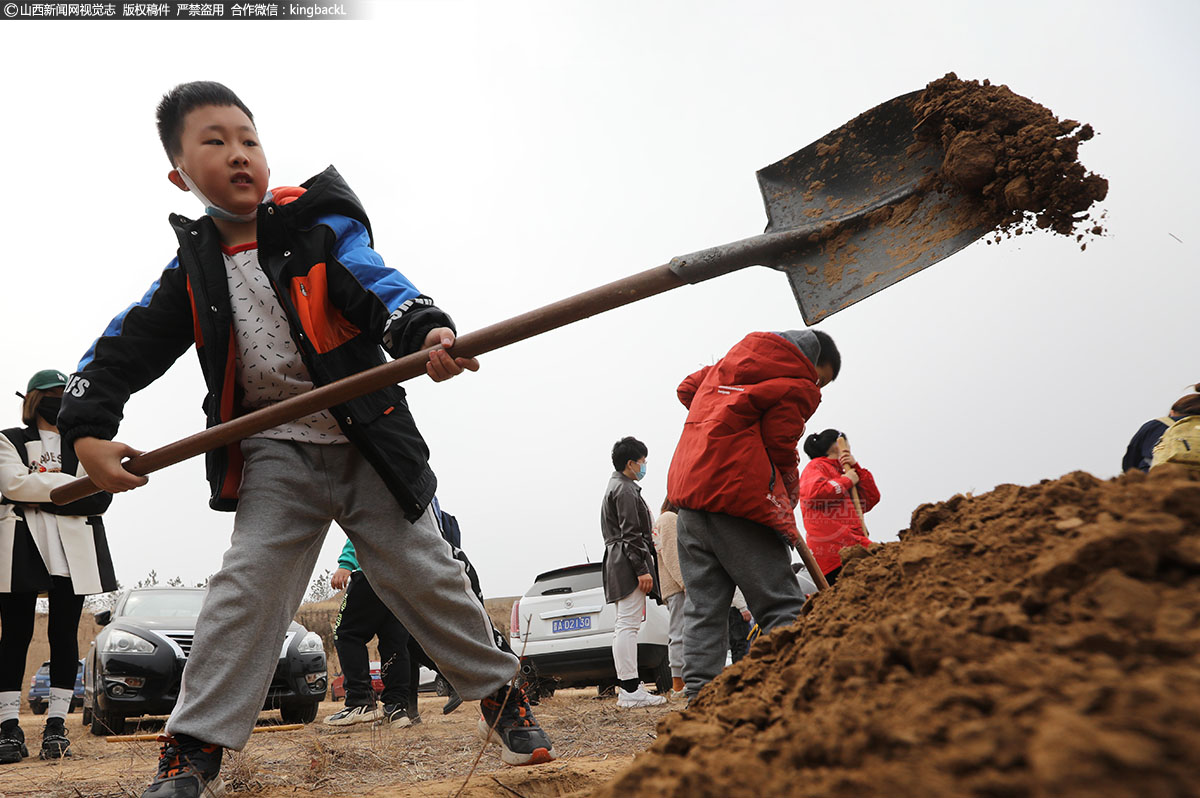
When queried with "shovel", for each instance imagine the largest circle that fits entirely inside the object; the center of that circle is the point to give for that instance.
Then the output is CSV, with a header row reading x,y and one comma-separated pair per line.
x,y
842,448
849,215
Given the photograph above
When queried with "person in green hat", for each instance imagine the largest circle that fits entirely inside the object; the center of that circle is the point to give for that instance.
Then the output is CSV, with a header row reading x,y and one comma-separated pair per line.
x,y
44,550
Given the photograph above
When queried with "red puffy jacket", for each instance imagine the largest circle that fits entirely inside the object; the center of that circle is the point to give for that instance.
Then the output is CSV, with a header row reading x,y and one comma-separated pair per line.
x,y
737,454
830,521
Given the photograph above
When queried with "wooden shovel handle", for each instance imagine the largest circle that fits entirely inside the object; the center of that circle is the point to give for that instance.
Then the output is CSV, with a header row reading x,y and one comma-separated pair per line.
x,y
148,738
842,447
559,314
810,563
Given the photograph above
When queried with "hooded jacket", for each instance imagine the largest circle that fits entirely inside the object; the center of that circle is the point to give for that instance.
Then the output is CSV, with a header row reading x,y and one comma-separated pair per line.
x,y
830,521
746,414
342,304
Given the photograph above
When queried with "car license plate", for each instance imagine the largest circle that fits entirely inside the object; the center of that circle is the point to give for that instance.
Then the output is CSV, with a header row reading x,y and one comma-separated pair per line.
x,y
574,624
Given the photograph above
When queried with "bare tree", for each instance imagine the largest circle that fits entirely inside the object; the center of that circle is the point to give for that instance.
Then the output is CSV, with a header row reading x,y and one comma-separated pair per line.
x,y
320,589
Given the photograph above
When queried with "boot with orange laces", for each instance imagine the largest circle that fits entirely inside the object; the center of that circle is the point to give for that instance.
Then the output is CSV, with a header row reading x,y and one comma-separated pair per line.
x,y
508,721
187,768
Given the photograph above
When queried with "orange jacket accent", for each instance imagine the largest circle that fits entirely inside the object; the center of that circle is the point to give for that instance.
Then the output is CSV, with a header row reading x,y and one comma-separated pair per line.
x,y
286,194
199,336
323,323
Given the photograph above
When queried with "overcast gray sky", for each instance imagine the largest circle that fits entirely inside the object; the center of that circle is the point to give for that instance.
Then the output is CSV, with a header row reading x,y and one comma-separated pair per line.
x,y
512,154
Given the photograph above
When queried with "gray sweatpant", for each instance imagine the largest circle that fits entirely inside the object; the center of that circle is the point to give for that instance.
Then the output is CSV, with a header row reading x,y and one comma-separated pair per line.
x,y
675,608
716,554
290,493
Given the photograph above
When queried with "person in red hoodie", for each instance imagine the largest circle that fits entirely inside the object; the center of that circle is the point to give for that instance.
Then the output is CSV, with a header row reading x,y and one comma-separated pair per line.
x,y
831,522
735,477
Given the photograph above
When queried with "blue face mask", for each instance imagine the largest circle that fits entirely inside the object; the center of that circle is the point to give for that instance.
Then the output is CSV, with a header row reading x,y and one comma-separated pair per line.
x,y
642,472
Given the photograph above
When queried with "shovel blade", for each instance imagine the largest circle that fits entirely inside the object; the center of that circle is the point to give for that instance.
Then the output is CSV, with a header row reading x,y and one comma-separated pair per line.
x,y
866,189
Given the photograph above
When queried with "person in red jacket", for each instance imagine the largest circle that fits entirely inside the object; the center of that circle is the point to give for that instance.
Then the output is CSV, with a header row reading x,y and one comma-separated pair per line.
x,y
831,522
735,477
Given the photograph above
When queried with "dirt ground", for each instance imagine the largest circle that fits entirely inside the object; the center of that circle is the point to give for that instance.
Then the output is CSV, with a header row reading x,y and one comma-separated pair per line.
x,y
1036,641
593,739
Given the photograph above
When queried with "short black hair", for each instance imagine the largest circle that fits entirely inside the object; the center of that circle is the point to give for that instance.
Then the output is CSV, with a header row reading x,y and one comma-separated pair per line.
x,y
181,101
829,353
817,445
627,449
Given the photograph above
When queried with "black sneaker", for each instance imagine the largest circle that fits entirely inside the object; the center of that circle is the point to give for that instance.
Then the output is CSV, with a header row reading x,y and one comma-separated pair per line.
x,y
395,715
12,742
55,744
187,768
508,721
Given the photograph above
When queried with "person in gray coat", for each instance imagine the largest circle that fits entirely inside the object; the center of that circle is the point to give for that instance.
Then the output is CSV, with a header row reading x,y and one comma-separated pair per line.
x,y
630,570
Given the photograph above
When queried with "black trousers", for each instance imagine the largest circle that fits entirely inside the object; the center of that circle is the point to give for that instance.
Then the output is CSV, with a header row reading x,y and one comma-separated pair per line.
x,y
362,617
739,630
16,633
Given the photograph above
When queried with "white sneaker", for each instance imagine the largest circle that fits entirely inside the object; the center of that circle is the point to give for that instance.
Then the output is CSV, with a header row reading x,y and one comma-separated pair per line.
x,y
638,698
352,715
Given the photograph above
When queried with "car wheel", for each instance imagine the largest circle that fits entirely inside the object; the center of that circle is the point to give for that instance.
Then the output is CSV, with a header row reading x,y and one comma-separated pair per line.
x,y
38,708
105,723
441,686
87,715
606,689
298,713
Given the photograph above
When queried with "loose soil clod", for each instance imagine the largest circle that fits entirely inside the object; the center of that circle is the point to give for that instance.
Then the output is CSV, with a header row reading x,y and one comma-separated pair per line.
x,y
1030,642
1014,154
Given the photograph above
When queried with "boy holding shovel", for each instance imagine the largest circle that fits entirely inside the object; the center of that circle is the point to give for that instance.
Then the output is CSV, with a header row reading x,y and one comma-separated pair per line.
x,y
279,291
735,479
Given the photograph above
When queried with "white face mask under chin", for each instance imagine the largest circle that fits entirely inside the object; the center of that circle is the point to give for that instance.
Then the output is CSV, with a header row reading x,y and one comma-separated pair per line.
x,y
216,211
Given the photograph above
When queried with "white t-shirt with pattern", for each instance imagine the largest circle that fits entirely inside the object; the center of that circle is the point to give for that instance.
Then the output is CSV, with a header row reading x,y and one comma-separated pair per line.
x,y
269,367
43,526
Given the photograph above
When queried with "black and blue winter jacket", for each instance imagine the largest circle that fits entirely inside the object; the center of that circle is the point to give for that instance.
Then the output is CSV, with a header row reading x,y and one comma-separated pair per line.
x,y
343,305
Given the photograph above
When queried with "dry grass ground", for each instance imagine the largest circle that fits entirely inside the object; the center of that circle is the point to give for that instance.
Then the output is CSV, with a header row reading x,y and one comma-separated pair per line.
x,y
593,738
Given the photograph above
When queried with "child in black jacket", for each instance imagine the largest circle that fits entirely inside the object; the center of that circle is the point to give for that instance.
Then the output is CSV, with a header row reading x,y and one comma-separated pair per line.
x,y
280,291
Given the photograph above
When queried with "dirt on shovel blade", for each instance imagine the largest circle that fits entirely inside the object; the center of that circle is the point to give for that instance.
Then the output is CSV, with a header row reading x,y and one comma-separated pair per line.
x,y
1032,642
1014,155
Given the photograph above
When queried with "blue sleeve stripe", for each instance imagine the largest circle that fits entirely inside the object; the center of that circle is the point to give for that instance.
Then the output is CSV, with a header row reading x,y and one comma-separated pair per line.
x,y
114,327
354,252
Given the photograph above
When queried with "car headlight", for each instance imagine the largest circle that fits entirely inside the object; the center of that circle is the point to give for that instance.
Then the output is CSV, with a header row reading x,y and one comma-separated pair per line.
x,y
310,643
122,642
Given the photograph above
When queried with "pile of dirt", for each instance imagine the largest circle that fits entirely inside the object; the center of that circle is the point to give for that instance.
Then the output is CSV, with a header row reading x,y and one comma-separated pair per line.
x,y
1014,154
1031,642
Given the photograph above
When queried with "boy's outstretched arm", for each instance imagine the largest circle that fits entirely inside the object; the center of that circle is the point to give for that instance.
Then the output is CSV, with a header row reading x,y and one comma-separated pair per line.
x,y
374,296
138,345
378,297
